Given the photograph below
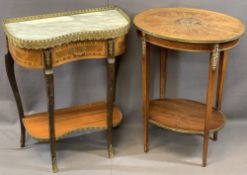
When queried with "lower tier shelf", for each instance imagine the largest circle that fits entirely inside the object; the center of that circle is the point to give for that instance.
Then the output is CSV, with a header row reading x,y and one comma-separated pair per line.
x,y
183,116
71,120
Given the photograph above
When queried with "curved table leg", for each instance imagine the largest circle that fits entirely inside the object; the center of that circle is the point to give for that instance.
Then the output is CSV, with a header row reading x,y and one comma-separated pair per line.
x,y
220,85
145,88
10,69
48,73
210,96
111,73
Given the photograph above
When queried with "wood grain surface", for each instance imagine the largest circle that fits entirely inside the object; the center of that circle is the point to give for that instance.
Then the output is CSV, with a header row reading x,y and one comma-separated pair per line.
x,y
183,116
189,25
70,120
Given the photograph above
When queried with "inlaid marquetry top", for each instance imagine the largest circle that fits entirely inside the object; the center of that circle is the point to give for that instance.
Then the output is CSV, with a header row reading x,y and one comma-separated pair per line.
x,y
45,31
189,25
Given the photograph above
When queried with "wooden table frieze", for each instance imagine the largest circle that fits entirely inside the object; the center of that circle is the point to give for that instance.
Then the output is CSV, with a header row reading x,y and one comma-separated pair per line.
x,y
32,58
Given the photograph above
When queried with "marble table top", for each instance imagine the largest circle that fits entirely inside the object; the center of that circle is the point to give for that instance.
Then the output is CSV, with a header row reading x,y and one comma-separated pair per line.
x,y
55,29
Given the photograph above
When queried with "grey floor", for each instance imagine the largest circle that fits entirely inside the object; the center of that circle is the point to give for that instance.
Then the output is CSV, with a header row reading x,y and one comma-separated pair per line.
x,y
170,153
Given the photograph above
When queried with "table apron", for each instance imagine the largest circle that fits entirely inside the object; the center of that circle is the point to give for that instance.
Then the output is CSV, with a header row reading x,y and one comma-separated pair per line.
x,y
190,47
81,50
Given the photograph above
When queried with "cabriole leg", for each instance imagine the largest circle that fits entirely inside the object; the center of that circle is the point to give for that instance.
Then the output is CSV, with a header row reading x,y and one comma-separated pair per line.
x,y
10,69
210,96
48,73
220,85
111,73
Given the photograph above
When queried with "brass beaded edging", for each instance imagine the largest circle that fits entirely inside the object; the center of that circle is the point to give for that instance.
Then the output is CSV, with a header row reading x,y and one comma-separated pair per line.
x,y
43,44
79,130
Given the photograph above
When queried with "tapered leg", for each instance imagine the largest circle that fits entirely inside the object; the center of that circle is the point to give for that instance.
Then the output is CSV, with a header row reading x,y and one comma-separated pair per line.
x,y
110,93
10,69
210,96
48,72
145,88
163,75
117,63
220,85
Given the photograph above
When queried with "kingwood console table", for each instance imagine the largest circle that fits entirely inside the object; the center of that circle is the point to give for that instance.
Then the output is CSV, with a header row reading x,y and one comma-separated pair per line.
x,y
191,30
47,41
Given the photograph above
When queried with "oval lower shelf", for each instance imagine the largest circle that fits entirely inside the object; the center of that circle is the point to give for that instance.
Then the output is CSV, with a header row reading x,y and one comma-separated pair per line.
x,y
183,116
71,120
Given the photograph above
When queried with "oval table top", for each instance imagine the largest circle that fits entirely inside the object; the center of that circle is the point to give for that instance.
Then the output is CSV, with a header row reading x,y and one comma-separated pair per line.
x,y
189,25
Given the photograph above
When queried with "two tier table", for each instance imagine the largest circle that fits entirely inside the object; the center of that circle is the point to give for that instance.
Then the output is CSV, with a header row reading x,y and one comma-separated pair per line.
x,y
191,30
47,41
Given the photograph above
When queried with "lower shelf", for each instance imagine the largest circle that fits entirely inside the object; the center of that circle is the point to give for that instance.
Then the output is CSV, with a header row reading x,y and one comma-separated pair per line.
x,y
71,120
184,116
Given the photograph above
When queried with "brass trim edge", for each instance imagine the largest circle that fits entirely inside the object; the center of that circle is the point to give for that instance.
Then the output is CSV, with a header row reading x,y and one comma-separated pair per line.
x,y
78,130
57,41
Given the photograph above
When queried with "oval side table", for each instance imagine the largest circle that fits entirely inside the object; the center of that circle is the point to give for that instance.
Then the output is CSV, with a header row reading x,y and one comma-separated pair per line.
x,y
47,41
191,30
